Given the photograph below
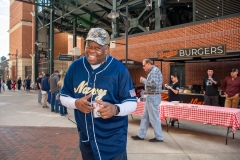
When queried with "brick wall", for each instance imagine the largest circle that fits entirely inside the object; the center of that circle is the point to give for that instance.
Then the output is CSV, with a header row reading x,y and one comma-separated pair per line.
x,y
20,29
224,31
60,44
20,11
26,41
80,43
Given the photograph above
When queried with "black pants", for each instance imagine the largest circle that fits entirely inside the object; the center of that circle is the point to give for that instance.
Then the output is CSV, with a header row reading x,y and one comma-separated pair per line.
x,y
211,100
19,86
9,87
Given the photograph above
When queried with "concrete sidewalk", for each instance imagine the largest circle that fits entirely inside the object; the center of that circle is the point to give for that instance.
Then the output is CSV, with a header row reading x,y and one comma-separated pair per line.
x,y
28,131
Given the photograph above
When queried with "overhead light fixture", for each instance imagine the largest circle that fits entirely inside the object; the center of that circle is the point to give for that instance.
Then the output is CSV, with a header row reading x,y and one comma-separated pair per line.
x,y
113,14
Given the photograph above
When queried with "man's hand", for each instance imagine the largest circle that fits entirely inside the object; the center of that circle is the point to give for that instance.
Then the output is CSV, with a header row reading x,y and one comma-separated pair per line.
x,y
107,110
211,79
226,95
141,79
83,105
169,87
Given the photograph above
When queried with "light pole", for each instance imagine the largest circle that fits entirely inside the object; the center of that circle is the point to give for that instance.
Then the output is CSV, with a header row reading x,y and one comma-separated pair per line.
x,y
113,15
16,55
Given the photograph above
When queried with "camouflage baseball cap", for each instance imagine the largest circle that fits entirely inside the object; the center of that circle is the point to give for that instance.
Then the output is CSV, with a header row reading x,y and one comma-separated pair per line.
x,y
98,35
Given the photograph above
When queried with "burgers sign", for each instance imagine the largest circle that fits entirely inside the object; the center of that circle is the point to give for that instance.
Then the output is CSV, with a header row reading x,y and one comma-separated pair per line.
x,y
193,52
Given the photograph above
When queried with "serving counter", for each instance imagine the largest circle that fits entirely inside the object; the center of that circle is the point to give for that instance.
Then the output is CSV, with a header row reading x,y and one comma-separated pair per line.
x,y
193,98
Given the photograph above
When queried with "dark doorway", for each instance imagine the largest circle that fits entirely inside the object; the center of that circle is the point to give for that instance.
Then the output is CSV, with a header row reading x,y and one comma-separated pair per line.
x,y
28,71
178,69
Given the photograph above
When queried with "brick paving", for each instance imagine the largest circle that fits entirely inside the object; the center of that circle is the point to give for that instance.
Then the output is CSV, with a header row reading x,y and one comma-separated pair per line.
x,y
39,143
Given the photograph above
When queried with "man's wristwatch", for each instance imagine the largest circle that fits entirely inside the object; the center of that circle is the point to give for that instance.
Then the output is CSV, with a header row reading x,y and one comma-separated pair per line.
x,y
117,109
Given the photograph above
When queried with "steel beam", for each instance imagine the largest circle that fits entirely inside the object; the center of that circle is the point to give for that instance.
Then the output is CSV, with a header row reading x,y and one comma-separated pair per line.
x,y
51,55
36,47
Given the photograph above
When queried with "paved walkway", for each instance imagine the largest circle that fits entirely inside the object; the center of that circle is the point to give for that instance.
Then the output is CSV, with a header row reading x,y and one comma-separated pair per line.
x,y
28,131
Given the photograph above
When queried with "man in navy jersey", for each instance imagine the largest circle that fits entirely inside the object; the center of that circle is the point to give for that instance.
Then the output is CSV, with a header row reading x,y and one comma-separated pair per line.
x,y
99,80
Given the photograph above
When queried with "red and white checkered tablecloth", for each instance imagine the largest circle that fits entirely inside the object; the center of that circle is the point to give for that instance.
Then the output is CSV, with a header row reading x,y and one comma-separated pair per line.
x,y
222,116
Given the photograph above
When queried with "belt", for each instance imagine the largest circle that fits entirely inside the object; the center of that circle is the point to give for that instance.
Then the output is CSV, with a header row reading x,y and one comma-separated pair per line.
x,y
152,93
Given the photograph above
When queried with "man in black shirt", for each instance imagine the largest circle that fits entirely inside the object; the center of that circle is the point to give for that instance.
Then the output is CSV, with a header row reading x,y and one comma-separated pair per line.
x,y
210,88
39,80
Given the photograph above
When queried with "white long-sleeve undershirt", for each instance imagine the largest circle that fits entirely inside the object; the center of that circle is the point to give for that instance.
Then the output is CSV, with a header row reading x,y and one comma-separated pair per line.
x,y
125,108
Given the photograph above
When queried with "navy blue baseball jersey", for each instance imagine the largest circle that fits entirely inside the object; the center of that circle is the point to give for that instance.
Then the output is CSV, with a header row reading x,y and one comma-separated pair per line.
x,y
110,82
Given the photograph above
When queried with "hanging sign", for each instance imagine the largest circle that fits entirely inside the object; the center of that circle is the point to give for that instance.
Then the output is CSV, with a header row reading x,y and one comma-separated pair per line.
x,y
128,61
217,50
65,58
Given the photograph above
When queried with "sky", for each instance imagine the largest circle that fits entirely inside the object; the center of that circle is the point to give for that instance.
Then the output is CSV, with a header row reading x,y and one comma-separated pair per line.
x,y
4,27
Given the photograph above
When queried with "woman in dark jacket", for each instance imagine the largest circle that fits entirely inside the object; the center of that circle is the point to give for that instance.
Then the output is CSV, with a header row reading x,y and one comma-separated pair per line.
x,y
19,82
9,83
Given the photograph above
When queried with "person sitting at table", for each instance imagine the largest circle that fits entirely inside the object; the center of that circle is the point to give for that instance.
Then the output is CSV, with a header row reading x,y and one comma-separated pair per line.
x,y
173,92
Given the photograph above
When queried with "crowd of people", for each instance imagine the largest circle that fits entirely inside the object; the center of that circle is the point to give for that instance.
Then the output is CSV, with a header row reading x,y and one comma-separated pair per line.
x,y
48,91
19,84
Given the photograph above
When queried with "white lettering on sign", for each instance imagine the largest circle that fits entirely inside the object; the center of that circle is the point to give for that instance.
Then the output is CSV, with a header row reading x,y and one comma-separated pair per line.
x,y
181,52
191,52
220,49
203,51
213,50
194,51
207,51
200,51
188,53
129,62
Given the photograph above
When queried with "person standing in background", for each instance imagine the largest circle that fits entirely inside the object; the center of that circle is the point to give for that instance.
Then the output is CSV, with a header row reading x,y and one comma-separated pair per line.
x,y
0,84
231,89
53,80
9,83
3,85
24,84
63,109
19,83
153,87
13,85
211,82
173,93
45,87
39,81
28,83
